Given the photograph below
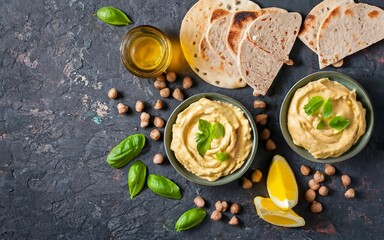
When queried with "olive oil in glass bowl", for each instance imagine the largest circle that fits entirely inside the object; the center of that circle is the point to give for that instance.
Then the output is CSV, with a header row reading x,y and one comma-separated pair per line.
x,y
146,51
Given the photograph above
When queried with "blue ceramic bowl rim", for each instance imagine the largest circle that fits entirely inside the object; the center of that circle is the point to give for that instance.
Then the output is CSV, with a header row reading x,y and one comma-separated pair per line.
x,y
180,168
346,81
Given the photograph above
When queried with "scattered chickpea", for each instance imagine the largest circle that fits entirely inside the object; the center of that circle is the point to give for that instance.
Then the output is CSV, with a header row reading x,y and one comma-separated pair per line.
x,y
139,106
345,180
158,158
255,93
199,201
259,104
187,82
338,64
158,104
312,184
319,177
256,176
219,206
270,145
158,122
350,193
171,76
235,208
160,78
112,93
144,117
323,191
165,92
122,108
155,134
305,170
262,119
178,94
216,215
329,169
316,207
224,205
246,184
289,62
265,134
310,195
159,84
233,221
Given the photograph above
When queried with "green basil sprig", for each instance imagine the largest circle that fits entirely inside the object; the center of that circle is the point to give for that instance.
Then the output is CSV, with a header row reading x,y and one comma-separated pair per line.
x,y
190,219
163,186
313,105
113,16
136,178
207,133
221,156
339,123
126,150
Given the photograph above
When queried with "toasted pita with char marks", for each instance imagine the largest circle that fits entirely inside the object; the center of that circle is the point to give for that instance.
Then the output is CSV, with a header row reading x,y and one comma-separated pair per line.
x,y
240,22
265,47
202,59
348,29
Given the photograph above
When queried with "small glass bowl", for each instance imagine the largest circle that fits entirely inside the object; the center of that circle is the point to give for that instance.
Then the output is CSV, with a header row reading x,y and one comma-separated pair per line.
x,y
130,41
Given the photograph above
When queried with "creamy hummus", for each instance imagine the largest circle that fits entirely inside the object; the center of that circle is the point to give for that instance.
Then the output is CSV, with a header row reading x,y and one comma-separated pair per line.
x,y
236,142
326,142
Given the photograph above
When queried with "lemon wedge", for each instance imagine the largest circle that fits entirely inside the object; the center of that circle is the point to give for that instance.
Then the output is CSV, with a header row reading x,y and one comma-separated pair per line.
x,y
271,213
281,184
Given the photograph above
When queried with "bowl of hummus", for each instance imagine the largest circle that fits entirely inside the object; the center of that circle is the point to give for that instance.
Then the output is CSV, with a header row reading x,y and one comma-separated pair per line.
x,y
327,117
211,139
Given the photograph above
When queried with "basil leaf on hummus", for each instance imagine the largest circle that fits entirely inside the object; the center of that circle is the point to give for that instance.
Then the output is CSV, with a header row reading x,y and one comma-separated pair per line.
x,y
313,105
221,156
339,123
327,108
207,133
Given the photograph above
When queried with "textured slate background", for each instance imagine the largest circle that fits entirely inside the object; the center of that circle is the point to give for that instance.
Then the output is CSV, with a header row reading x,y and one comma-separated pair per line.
x,y
57,125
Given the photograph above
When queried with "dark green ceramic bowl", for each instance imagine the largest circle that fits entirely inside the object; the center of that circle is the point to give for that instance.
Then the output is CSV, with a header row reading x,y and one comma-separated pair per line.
x,y
180,168
351,84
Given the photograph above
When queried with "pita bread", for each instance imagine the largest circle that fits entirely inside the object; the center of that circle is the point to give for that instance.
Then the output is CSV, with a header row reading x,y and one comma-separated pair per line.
x,y
207,64
265,47
313,20
347,29
240,22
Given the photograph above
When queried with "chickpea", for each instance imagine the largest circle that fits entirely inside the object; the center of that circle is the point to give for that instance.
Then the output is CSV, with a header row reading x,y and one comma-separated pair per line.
x,y
319,177
155,134
160,78
219,206
329,169
139,106
270,145
216,215
255,93
112,93
265,134
144,117
350,193
259,104
323,191
187,82
316,207
233,221
178,94
158,158
256,176
345,180
235,208
312,184
160,84
224,205
158,122
165,92
199,201
171,76
122,108
261,119
310,195
158,105
305,170
246,184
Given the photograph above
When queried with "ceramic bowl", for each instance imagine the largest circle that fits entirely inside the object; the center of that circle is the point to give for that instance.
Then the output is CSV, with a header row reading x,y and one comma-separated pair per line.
x,y
180,168
351,84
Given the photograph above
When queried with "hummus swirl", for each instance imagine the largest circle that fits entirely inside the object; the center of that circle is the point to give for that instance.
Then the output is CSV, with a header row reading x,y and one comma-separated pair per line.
x,y
236,141
327,142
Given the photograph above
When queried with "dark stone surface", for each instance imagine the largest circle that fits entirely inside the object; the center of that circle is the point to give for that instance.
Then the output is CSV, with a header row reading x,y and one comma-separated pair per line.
x,y
57,125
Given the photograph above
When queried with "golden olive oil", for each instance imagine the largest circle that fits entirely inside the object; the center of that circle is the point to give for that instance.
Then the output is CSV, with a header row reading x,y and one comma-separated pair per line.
x,y
146,52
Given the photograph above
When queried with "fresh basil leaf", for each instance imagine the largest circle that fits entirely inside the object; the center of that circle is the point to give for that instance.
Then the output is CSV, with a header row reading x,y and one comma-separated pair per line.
x,y
320,125
327,108
218,130
163,186
313,105
136,178
126,150
203,138
190,219
221,156
113,16
339,123
203,146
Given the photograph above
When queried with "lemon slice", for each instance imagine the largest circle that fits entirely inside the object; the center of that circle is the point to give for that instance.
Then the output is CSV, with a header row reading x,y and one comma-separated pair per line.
x,y
271,213
281,184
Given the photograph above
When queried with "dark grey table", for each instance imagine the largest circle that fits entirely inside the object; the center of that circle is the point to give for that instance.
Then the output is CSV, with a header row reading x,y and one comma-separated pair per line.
x,y
57,124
